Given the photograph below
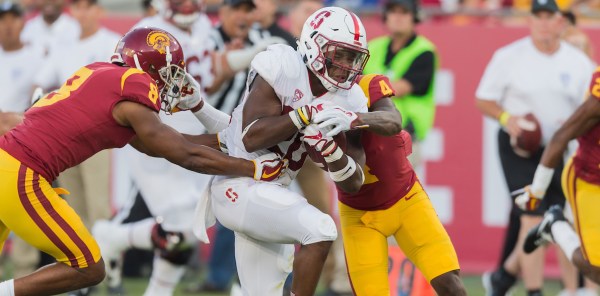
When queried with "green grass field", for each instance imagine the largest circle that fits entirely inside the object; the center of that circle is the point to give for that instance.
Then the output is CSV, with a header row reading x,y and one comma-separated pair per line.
x,y
473,284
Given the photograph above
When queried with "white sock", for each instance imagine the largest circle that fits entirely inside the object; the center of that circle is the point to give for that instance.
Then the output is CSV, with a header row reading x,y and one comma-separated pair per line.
x,y
565,237
7,288
165,276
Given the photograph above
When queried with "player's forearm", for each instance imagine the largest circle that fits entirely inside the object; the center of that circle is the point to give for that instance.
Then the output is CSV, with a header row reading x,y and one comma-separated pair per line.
x,y
9,120
208,140
206,160
489,108
346,174
384,123
268,132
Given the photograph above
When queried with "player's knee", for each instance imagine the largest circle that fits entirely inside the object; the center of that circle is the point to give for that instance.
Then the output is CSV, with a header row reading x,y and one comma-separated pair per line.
x,y
93,274
449,283
321,229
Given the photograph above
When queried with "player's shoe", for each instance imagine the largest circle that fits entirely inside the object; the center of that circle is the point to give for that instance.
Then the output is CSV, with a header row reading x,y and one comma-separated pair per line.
x,y
498,283
541,234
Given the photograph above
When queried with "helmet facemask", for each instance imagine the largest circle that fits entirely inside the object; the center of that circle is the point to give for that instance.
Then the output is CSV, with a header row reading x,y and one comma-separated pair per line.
x,y
172,77
341,62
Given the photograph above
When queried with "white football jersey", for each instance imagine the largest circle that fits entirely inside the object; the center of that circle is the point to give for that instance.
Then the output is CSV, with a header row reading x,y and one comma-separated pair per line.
x,y
16,77
65,59
38,33
282,67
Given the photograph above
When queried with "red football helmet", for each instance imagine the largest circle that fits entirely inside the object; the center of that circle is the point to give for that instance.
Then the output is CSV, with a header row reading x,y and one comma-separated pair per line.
x,y
157,53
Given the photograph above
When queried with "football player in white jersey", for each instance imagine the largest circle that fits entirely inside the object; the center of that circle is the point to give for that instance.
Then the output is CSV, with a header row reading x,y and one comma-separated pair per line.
x,y
275,115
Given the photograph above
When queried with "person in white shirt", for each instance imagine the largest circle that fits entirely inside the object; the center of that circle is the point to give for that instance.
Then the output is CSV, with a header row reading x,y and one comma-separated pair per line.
x,y
543,75
19,64
52,26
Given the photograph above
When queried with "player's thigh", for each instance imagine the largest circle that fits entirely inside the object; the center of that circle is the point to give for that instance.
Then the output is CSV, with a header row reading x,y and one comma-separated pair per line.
x,y
269,212
42,218
585,203
262,267
366,252
424,240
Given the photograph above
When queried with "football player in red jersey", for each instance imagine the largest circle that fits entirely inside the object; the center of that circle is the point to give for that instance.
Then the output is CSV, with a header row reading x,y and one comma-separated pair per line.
x,y
391,201
580,183
103,105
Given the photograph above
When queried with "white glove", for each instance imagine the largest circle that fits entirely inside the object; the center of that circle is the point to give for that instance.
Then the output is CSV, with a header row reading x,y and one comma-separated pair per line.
x,y
329,149
304,115
335,120
268,167
525,200
191,98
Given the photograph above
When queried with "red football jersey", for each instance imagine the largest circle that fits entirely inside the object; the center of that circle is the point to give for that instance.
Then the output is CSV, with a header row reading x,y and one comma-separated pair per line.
x,y
67,126
389,176
587,158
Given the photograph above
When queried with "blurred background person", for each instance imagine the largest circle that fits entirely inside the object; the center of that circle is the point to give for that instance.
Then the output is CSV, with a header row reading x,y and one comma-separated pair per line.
x,y
299,12
19,62
575,36
266,19
52,26
410,61
542,75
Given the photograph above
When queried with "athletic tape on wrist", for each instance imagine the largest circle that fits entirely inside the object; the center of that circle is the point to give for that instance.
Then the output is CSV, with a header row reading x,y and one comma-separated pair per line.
x,y
331,157
296,119
541,180
345,173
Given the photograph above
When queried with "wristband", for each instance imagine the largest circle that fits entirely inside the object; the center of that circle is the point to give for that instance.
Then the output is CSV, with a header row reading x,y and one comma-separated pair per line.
x,y
503,118
345,173
334,156
295,116
541,180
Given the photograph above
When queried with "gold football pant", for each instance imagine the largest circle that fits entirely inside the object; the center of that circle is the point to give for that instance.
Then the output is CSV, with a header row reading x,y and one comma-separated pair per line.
x,y
31,208
416,227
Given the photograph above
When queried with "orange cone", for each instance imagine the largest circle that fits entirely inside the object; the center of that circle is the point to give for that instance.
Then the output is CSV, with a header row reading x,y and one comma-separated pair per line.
x,y
405,279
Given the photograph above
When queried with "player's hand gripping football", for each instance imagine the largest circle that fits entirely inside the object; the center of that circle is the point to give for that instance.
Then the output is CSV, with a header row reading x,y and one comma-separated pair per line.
x,y
526,200
335,120
304,115
268,167
315,138
191,98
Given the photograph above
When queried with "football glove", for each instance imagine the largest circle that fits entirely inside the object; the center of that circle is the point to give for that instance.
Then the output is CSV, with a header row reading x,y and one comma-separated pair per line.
x,y
304,115
268,167
329,149
525,199
336,120
191,98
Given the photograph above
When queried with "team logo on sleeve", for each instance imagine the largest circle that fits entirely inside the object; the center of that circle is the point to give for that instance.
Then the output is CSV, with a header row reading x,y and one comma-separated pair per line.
x,y
158,40
297,95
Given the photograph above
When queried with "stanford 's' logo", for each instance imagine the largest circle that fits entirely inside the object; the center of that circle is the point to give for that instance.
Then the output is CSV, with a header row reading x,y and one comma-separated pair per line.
x,y
158,40
316,23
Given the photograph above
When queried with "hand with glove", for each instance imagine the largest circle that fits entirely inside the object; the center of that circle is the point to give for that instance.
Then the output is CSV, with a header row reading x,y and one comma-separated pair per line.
x,y
191,97
304,115
525,200
268,167
321,143
336,120
530,197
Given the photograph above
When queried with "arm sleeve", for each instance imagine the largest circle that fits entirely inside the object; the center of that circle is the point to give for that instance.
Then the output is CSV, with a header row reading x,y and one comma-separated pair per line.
x,y
420,73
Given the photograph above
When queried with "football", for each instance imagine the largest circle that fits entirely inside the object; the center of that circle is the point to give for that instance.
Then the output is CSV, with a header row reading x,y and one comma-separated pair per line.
x,y
316,156
530,139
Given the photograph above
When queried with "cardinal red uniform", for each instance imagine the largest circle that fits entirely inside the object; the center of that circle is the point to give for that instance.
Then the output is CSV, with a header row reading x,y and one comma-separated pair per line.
x,y
390,203
61,130
581,185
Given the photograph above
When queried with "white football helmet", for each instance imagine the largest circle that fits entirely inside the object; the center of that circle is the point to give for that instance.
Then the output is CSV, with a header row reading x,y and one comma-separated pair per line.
x,y
333,45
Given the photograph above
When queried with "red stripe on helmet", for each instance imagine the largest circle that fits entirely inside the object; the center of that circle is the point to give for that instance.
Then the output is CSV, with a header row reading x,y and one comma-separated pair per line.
x,y
356,26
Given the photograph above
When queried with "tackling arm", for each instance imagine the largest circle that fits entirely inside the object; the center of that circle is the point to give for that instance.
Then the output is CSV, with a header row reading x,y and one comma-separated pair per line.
x,y
161,140
383,118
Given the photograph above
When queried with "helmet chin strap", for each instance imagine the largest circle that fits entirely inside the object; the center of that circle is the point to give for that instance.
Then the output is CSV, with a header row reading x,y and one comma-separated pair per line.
x,y
137,62
169,56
